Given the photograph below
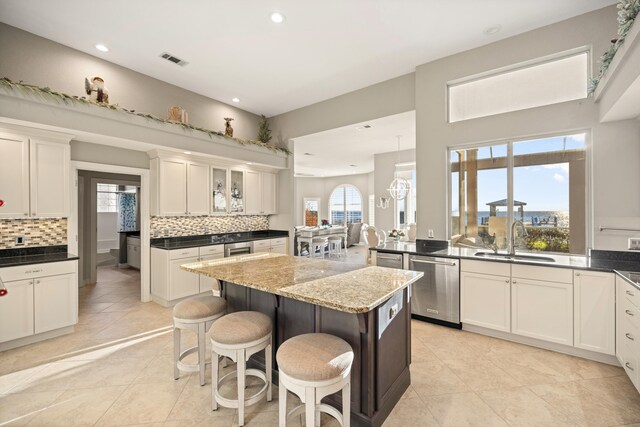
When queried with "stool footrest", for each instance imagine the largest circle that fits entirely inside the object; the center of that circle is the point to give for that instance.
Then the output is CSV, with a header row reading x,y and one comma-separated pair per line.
x,y
249,400
322,407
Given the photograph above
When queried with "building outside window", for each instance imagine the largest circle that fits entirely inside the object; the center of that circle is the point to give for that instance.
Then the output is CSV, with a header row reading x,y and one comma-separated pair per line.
x,y
311,211
541,182
107,197
345,205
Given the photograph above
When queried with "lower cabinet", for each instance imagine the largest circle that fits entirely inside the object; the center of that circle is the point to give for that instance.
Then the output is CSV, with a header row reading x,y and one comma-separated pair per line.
x,y
278,246
594,308
628,330
45,300
182,283
485,300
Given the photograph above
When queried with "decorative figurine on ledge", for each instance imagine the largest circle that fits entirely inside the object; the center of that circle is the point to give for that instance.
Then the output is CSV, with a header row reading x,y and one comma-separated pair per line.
x,y
178,114
228,130
96,90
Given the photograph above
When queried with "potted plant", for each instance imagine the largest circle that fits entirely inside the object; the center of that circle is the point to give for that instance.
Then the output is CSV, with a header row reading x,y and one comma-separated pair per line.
x,y
396,234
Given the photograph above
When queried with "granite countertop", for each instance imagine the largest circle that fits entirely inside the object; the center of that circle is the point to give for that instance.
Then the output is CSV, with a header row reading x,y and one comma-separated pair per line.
x,y
34,255
170,243
337,285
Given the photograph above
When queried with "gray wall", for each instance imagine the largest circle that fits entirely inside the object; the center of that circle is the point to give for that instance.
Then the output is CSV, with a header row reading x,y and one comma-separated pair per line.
x,y
384,173
36,60
98,153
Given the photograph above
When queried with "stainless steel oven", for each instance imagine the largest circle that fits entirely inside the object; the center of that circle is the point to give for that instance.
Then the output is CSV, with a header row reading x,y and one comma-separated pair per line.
x,y
232,249
389,260
436,295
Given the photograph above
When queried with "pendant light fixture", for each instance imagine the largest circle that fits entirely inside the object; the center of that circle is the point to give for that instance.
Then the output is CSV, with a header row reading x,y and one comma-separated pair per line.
x,y
399,187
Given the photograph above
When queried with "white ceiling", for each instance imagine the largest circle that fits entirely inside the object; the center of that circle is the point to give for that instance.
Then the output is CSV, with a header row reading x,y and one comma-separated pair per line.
x,y
323,49
334,151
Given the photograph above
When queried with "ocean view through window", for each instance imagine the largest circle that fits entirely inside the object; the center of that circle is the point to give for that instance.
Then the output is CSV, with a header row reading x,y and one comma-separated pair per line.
x,y
541,182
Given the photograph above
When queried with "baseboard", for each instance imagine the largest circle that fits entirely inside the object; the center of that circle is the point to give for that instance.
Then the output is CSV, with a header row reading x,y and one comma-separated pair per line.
x,y
559,348
8,345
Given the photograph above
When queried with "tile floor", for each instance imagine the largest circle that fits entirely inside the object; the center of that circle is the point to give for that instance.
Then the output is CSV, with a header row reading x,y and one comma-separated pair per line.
x,y
116,370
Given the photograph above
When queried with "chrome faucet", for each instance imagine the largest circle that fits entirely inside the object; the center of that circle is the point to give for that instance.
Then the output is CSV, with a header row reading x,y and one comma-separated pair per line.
x,y
512,248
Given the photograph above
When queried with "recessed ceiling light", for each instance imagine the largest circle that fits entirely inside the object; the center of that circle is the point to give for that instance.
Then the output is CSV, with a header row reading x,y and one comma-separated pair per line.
x,y
308,154
492,30
102,48
236,99
353,166
277,17
249,163
187,152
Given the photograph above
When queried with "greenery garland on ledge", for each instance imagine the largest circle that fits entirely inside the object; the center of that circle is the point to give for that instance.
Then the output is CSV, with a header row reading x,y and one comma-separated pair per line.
x,y
47,94
627,12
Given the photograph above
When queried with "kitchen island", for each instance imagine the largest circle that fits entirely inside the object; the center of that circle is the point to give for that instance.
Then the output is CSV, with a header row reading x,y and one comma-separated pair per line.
x,y
367,307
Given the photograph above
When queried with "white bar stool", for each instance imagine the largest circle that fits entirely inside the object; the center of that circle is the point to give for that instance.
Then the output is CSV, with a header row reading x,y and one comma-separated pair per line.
x,y
335,246
314,366
198,314
238,336
317,243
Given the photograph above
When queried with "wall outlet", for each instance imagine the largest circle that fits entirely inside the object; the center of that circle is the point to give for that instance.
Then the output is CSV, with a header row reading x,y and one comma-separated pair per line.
x,y
430,233
634,243
21,240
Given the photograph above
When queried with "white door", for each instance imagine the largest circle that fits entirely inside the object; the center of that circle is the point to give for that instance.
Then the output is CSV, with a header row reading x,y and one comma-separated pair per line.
x,y
542,310
55,300
182,283
14,176
173,187
485,300
49,178
594,303
268,193
253,198
16,310
197,189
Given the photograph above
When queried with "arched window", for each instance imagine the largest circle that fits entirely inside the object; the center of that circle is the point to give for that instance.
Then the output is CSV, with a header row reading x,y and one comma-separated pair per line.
x,y
345,203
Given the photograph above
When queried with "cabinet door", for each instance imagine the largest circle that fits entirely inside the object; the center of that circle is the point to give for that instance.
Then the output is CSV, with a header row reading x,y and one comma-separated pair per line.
x,y
219,191
594,302
16,310
279,249
236,192
252,193
49,178
55,300
208,284
130,255
182,283
485,300
268,193
197,189
542,310
14,176
173,187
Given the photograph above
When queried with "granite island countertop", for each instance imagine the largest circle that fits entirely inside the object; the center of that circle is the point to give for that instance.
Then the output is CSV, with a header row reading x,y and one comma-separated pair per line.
x,y
337,285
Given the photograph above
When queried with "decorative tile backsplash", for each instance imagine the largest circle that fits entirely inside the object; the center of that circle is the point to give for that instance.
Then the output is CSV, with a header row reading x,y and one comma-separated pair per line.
x,y
38,232
175,226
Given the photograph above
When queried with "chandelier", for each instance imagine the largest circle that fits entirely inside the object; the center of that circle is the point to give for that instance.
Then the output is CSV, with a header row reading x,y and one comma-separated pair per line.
x,y
399,187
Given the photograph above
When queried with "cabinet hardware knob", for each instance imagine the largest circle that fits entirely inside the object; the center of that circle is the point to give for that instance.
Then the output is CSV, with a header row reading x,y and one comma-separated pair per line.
x,y
629,312
506,281
629,293
628,335
35,213
26,214
514,282
577,274
37,282
629,366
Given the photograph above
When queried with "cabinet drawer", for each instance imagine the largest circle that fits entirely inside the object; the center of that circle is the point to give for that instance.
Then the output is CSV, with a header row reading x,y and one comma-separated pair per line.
x,y
631,293
22,272
261,244
486,267
212,250
630,314
547,274
629,355
183,253
279,241
134,241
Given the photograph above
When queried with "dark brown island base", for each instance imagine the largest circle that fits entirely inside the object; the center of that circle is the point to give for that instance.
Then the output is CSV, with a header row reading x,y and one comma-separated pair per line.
x,y
367,307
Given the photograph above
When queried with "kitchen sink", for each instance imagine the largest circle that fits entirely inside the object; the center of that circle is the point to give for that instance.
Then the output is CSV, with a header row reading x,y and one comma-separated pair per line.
x,y
516,257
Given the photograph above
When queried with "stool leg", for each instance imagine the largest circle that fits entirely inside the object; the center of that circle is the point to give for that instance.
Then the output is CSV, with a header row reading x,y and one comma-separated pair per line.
x,y
214,380
201,352
346,405
242,361
317,410
176,352
310,406
267,358
282,405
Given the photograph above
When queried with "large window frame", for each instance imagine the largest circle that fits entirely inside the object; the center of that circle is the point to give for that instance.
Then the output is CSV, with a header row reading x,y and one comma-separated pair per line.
x,y
344,202
589,214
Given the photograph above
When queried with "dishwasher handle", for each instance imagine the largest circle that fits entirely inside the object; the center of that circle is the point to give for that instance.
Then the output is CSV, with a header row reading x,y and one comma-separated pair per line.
x,y
393,257
425,261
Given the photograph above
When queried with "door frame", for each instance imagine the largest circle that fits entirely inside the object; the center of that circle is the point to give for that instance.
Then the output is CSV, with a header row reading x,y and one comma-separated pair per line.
x,y
145,219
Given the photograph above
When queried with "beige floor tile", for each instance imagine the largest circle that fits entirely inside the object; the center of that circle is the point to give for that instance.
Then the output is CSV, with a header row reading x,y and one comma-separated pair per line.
x,y
462,409
12,379
410,411
195,403
20,409
270,419
421,353
480,374
528,369
140,404
78,407
521,407
210,422
430,379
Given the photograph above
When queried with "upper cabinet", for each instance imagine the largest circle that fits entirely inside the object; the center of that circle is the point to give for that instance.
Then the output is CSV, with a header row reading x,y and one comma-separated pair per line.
x,y
198,194
219,196
34,177
236,191
261,193
182,187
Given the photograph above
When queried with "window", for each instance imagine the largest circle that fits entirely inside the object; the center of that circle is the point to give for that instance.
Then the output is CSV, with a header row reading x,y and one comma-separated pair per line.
x,y
107,196
405,212
372,210
311,212
548,81
541,182
345,205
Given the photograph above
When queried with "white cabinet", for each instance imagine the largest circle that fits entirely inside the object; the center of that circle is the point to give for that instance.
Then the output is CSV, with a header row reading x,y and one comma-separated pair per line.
x,y
278,245
237,197
260,193
485,300
219,191
179,187
183,283
594,308
133,252
197,189
40,298
34,177
628,329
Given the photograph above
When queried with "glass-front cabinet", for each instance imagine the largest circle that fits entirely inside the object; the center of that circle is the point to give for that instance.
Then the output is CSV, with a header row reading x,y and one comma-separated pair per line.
x,y
219,201
236,192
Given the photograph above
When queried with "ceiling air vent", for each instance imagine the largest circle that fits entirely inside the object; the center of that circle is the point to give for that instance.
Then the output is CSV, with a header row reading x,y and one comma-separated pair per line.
x,y
173,59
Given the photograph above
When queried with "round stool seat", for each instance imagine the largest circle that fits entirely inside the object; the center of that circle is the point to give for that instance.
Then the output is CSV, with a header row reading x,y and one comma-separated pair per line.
x,y
240,327
199,307
314,357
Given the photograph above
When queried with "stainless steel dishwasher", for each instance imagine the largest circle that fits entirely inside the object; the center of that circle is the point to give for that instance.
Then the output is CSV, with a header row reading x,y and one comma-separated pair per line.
x,y
436,295
389,260
231,249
